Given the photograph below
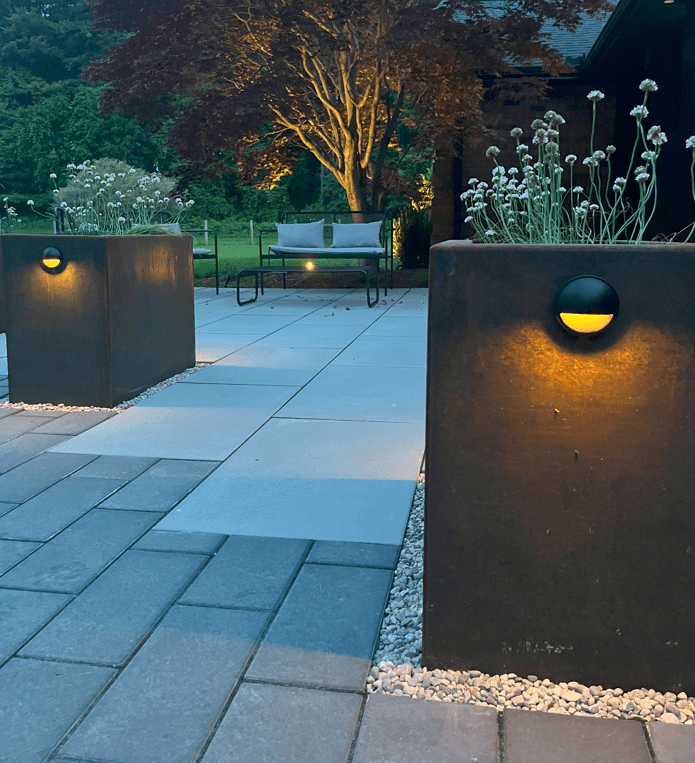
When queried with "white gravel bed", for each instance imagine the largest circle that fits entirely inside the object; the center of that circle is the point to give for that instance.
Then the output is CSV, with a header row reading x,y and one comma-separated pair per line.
x,y
120,407
397,663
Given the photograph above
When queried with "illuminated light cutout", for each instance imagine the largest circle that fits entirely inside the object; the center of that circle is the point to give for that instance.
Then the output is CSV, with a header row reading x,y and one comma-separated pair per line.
x,y
586,323
309,265
586,305
52,260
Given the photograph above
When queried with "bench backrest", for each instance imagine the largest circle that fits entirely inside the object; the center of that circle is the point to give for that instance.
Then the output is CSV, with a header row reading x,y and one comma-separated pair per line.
x,y
346,216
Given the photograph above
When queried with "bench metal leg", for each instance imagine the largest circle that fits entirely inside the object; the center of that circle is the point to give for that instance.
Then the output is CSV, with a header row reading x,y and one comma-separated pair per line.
x,y
238,288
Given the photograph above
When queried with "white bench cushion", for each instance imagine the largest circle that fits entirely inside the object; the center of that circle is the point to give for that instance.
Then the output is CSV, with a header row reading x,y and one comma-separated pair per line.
x,y
353,251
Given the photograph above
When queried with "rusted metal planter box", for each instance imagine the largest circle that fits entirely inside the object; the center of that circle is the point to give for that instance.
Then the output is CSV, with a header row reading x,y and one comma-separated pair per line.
x,y
116,319
560,491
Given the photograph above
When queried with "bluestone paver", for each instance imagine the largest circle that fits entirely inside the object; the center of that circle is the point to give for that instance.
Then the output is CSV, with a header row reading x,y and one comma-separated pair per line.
x,y
76,422
358,554
243,323
110,618
161,486
403,730
285,724
671,742
212,347
40,472
191,542
162,707
13,551
181,423
361,393
307,335
116,467
399,325
5,507
375,351
7,411
325,631
247,572
22,613
326,480
73,558
47,513
39,702
21,450
14,426
532,737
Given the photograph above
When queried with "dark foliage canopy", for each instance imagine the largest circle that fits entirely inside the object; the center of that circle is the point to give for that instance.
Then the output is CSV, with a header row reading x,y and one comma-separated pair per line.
x,y
358,83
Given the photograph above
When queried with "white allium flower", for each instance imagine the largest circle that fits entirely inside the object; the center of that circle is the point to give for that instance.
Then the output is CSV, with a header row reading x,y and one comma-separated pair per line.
x,y
522,148
539,124
515,170
552,134
489,232
648,86
599,155
30,203
611,149
657,136
617,188
690,142
639,111
190,203
492,151
157,193
593,207
71,166
468,219
481,184
595,96
53,176
87,185
648,155
562,189
140,200
132,170
110,205
642,177
121,219
472,181
553,117
570,159
589,160
517,132
55,190
620,181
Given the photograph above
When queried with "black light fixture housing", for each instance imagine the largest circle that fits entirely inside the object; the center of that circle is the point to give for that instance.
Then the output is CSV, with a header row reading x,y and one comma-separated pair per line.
x,y
586,306
52,261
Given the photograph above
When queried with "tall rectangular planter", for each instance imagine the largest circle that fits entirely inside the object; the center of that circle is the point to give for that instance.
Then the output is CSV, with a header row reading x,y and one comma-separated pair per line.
x,y
560,491
115,320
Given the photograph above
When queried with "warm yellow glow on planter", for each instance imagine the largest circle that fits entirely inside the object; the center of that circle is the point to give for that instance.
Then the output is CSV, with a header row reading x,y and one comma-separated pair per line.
x,y
586,305
585,323
309,265
51,259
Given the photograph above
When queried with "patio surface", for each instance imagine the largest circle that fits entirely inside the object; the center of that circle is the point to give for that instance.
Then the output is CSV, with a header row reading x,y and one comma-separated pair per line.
x,y
202,577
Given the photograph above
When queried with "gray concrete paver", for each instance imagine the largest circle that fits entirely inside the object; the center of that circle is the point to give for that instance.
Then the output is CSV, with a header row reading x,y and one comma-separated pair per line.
x,y
39,702
672,743
47,513
75,422
112,616
117,467
247,572
358,554
285,724
76,556
14,426
163,705
186,542
38,468
13,551
325,631
22,613
402,730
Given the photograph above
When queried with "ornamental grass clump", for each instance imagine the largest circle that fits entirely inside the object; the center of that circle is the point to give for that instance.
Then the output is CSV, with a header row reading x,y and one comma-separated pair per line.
x,y
534,203
109,197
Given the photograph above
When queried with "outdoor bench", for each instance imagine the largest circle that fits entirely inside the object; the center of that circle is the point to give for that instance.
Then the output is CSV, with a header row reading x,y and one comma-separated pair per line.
x,y
305,242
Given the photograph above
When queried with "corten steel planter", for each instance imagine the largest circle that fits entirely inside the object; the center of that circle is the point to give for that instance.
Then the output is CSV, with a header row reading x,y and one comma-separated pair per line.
x,y
560,491
115,318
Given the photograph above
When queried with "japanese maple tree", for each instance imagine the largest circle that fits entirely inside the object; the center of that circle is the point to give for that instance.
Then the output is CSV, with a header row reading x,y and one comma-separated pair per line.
x,y
358,83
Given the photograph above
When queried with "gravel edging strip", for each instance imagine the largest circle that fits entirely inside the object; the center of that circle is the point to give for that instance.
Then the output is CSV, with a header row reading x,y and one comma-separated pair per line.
x,y
118,408
397,665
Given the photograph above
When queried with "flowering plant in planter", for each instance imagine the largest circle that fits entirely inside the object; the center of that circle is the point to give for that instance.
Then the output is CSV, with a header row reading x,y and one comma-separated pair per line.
x,y
539,208
109,197
11,221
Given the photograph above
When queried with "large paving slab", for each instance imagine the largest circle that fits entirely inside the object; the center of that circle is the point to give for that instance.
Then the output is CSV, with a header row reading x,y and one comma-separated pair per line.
x,y
285,724
116,467
247,573
243,323
312,335
357,554
164,704
24,448
534,737
212,347
396,351
22,613
42,471
361,393
39,702
75,557
266,365
185,421
325,631
325,480
13,551
183,542
672,743
14,426
399,325
115,613
47,513
75,422
402,730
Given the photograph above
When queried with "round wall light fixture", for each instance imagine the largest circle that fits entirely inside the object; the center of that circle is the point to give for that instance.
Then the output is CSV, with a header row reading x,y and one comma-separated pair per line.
x,y
52,260
586,305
